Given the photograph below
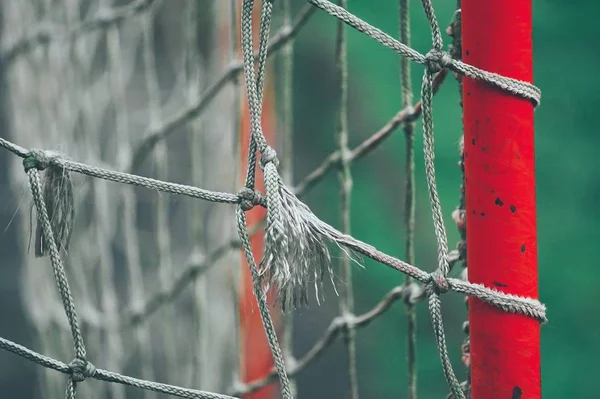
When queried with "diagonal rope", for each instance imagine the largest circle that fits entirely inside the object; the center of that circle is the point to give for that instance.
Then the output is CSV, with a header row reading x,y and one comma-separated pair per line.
x,y
47,158
528,306
345,179
434,61
169,126
82,371
60,276
263,306
195,269
514,86
265,26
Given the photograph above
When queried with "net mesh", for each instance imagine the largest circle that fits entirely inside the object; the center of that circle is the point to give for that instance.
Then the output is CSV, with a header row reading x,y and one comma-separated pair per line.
x,y
85,83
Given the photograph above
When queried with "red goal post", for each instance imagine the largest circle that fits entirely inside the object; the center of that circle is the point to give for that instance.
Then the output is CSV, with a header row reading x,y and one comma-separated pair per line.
x,y
500,199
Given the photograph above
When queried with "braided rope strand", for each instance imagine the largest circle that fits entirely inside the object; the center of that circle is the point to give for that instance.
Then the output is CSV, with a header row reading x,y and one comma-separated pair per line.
x,y
263,306
514,86
528,306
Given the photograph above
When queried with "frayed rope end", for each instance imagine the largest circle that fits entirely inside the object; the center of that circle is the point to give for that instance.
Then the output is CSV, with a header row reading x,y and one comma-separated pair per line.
x,y
58,198
296,252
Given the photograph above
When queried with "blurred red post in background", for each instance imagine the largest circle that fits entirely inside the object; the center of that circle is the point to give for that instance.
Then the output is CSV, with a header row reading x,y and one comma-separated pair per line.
x,y
500,199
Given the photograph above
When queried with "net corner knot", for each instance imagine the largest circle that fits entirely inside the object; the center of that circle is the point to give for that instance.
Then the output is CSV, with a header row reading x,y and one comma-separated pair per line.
x,y
269,155
37,159
81,369
436,60
249,198
438,282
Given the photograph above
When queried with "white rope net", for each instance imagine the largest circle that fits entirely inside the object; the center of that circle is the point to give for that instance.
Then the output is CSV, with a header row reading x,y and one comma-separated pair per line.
x,y
90,71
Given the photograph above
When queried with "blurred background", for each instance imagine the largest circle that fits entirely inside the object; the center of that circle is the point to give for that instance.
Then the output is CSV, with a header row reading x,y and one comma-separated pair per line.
x,y
95,97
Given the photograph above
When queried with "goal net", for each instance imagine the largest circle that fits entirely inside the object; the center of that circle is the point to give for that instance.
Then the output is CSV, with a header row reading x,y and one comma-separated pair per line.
x,y
125,116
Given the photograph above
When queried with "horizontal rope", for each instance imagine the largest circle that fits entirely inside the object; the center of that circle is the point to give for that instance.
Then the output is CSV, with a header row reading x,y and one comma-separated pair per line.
x,y
411,293
195,269
41,159
168,127
527,306
108,376
46,34
515,304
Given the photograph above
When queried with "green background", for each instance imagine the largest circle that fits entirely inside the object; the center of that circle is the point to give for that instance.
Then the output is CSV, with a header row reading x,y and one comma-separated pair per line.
x,y
566,58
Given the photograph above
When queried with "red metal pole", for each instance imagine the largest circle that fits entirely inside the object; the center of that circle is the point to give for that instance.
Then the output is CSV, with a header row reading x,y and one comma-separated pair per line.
x,y
500,199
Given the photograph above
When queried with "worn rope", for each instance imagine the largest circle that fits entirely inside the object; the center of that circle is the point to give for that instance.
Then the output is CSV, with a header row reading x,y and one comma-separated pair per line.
x,y
44,159
31,168
194,269
528,306
263,306
507,302
265,26
435,60
435,64
254,87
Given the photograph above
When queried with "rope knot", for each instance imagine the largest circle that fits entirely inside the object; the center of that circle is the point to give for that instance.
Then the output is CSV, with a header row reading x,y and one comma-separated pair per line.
x,y
436,60
81,369
438,282
269,155
249,198
37,159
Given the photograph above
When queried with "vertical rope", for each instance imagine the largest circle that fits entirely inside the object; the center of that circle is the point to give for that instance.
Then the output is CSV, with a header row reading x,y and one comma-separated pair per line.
x,y
263,306
88,257
132,245
287,114
287,167
345,178
160,157
198,372
409,201
436,207
44,70
429,147
257,140
59,271
109,298
236,119
254,92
